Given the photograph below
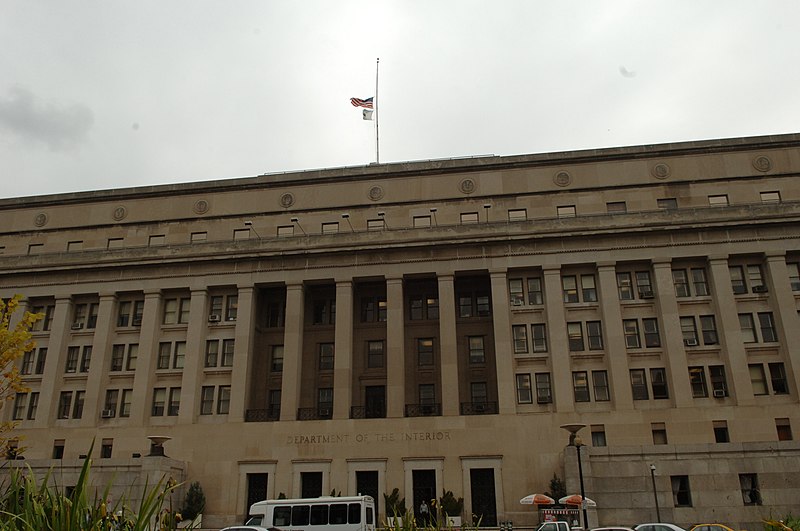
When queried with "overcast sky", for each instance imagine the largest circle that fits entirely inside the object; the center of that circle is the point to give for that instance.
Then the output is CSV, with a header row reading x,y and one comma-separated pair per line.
x,y
98,94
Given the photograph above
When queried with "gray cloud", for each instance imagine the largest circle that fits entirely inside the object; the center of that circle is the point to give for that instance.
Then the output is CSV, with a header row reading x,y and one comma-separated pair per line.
x,y
28,117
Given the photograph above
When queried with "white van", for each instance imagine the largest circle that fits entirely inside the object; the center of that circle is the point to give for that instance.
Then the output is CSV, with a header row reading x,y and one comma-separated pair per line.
x,y
344,513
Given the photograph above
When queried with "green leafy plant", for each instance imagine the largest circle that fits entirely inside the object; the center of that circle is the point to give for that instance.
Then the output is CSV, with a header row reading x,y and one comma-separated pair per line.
x,y
788,523
557,488
395,505
451,505
195,502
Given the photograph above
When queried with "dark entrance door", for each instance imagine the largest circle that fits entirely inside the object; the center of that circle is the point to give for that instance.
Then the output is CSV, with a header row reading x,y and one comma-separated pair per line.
x,y
256,489
310,484
424,490
367,484
375,402
484,504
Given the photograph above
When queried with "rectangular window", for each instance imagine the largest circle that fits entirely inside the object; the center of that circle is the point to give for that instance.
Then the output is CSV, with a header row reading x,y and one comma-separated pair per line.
x,y
427,394
207,400
644,285
110,405
588,288
41,358
659,431
157,239
159,401
566,211
668,203
777,376
539,338
326,356
719,384
164,354
375,354
33,405
624,286
469,217
325,401
784,429
756,279
689,331
133,354
598,435
681,282
652,338
276,359
639,384
44,324
376,224
517,214
125,405
77,409
174,401
758,379
737,279
767,325
708,327
569,285
212,352
699,282
424,351
520,334
27,363
115,243
751,494
283,231
721,434
748,327
197,237
64,404
515,293
630,328
535,291
86,358
74,246
594,335
228,347
600,384
794,275
718,200
231,307
770,197
179,357
524,391
224,400
681,494
477,353
478,393
580,386
575,337
544,393
72,359
616,207
421,222
170,312
658,382
697,379
19,406
330,227
465,306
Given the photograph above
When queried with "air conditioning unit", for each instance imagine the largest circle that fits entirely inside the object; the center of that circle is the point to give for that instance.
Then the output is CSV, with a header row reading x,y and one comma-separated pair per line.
x,y
107,413
646,294
760,289
214,318
719,393
690,342
77,326
516,302
231,319
137,322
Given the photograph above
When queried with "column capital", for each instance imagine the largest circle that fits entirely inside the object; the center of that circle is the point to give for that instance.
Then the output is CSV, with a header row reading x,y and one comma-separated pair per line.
x,y
445,277
498,272
343,281
605,266
245,287
718,258
394,280
108,295
662,263
777,256
551,269
152,293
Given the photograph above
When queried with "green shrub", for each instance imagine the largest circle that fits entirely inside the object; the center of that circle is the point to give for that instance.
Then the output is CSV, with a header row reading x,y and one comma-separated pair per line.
x,y
195,502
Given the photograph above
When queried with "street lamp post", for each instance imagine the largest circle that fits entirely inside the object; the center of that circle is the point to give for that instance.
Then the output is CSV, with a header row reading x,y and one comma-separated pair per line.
x,y
655,493
575,440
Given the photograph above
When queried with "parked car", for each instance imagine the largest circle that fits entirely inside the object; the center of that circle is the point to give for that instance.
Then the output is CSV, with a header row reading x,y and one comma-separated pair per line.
x,y
710,527
249,528
658,526
612,528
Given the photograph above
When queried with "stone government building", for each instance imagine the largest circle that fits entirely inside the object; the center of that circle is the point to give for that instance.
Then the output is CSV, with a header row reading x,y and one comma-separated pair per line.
x,y
427,326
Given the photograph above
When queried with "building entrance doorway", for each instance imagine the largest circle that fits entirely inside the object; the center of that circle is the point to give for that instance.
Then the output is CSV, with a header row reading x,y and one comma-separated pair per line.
x,y
256,489
424,490
484,503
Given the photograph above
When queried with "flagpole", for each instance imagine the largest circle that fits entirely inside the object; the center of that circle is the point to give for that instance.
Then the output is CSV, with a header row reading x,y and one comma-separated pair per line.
x,y
377,115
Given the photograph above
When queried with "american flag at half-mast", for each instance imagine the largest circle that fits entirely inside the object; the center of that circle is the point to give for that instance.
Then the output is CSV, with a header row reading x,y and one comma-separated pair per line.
x,y
357,102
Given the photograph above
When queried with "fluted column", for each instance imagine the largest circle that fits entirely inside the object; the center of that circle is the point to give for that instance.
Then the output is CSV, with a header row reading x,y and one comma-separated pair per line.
x,y
145,363
448,345
618,368
503,351
101,360
395,348
557,339
730,334
671,338
292,352
786,319
54,364
343,350
195,357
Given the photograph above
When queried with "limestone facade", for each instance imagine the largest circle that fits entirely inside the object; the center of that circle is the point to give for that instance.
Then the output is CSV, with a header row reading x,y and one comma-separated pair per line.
x,y
429,326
